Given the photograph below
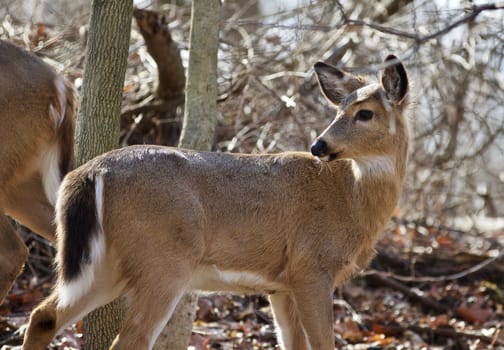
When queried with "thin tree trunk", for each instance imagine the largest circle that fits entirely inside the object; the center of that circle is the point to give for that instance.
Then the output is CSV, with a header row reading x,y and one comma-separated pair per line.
x,y
176,334
200,119
97,129
200,112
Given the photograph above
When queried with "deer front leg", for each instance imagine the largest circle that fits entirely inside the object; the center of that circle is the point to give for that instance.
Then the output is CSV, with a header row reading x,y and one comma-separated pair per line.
x,y
13,254
313,300
290,332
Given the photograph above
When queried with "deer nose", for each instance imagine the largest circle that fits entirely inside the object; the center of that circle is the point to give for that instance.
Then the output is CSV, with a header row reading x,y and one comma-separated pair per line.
x,y
319,148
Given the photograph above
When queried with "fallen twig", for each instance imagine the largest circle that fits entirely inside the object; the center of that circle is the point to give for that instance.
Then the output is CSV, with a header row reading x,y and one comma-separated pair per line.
x,y
452,333
428,302
426,279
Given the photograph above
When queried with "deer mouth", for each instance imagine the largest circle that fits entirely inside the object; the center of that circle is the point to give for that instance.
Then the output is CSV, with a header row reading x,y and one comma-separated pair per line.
x,y
329,157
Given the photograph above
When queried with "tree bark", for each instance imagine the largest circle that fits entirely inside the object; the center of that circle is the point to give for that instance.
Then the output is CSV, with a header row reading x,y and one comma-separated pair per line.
x,y
97,129
200,111
200,119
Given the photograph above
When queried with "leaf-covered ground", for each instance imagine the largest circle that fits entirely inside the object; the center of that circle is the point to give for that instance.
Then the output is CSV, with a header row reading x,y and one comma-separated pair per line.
x,y
428,288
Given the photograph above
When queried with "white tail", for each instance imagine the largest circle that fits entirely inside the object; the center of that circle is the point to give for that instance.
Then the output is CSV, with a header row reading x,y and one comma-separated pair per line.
x,y
36,140
153,222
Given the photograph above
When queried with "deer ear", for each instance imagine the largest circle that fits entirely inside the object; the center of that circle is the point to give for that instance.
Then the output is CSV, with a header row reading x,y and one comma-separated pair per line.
x,y
394,80
334,83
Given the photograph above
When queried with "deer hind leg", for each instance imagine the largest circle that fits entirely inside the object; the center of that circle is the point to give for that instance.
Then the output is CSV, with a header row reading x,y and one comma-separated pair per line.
x,y
13,255
29,205
151,305
290,331
51,316
313,302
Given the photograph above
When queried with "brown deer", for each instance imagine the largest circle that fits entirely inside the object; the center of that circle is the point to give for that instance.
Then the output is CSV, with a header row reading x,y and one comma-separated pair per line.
x,y
293,225
37,110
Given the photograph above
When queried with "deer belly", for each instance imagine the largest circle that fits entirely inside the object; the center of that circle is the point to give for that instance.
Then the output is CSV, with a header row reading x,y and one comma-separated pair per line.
x,y
212,279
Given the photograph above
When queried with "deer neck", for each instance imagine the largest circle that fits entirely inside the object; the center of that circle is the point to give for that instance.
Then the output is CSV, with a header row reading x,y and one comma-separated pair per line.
x,y
375,185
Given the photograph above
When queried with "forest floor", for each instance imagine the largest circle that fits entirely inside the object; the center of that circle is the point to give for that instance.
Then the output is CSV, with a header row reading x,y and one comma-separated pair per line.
x,y
428,288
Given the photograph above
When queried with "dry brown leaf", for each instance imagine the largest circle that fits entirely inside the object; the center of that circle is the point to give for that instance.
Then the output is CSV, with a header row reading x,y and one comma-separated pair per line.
x,y
475,313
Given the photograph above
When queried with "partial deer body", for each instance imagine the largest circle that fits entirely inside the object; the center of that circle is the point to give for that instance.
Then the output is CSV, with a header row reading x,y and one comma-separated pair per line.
x,y
153,222
36,140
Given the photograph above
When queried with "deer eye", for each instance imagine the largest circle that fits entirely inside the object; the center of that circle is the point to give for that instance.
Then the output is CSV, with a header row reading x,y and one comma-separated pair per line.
x,y
364,115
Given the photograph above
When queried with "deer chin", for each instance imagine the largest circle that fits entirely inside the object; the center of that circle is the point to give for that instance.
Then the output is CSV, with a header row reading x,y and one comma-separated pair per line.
x,y
330,157
333,156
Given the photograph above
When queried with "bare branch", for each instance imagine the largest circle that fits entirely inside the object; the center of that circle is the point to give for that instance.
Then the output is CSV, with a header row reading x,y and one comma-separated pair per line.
x,y
473,12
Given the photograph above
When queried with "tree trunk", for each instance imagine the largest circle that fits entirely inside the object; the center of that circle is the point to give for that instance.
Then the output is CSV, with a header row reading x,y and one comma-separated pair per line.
x,y
200,111
97,129
200,118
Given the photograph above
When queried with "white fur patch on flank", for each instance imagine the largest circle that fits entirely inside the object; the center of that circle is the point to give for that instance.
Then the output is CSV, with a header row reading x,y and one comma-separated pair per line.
x,y
53,110
373,167
241,278
49,169
99,199
70,292
211,278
